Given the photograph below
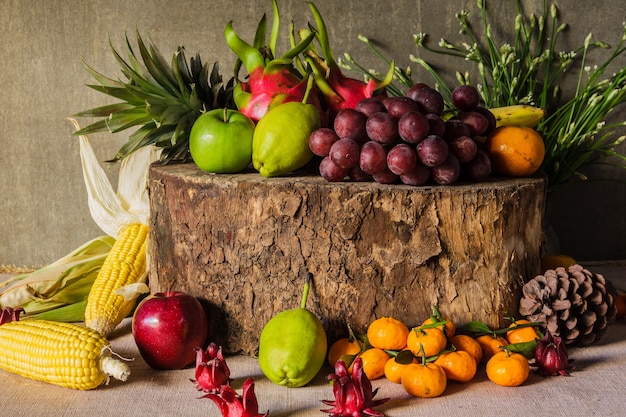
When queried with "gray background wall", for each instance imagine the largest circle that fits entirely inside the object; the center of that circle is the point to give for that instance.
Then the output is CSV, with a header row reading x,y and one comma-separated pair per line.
x,y
42,82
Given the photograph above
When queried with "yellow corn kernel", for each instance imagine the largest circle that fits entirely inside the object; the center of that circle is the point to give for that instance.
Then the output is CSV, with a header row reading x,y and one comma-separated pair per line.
x,y
65,354
125,265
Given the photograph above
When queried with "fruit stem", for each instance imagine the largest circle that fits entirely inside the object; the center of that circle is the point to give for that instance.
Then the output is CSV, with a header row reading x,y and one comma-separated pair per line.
x,y
305,290
225,114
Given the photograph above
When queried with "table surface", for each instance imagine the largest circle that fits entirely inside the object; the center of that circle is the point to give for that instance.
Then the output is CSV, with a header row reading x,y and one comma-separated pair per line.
x,y
595,387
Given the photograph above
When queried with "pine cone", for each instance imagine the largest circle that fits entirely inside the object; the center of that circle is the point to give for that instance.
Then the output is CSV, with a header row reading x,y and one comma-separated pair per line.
x,y
575,304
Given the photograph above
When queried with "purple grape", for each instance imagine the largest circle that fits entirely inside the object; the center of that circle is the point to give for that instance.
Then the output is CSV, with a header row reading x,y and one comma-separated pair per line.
x,y
321,140
456,128
370,105
385,177
429,101
373,158
476,122
397,106
465,97
415,89
479,168
432,151
418,176
413,127
437,125
490,118
356,174
350,124
345,153
331,172
382,127
447,172
463,147
401,159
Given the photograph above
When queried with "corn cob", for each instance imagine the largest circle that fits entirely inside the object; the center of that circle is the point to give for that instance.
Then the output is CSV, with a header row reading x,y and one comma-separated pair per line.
x,y
65,354
124,266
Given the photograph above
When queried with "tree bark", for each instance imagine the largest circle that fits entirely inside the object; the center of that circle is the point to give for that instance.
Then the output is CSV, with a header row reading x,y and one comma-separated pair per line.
x,y
243,244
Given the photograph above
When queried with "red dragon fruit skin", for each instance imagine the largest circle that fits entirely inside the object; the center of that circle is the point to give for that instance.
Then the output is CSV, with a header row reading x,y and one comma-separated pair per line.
x,y
338,91
270,80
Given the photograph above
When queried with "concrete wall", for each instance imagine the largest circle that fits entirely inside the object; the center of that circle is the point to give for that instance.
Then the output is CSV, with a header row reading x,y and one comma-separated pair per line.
x,y
42,82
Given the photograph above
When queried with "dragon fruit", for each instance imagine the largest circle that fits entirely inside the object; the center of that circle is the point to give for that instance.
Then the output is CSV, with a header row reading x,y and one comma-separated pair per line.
x,y
271,80
353,393
551,356
212,372
233,405
339,92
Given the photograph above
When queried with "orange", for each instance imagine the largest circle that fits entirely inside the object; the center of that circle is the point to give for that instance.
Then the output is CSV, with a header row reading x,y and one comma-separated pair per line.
x,y
424,380
387,333
341,348
490,345
394,369
449,327
521,335
553,261
374,360
515,151
508,369
433,340
468,344
458,365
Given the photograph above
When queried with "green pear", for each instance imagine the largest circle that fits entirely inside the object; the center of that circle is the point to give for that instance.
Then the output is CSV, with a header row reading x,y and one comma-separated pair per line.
x,y
292,347
280,143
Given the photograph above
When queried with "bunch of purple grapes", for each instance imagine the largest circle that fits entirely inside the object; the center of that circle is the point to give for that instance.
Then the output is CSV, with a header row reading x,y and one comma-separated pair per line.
x,y
406,139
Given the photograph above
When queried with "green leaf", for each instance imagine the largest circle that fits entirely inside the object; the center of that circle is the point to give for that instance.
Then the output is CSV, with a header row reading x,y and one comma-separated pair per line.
x,y
526,348
476,327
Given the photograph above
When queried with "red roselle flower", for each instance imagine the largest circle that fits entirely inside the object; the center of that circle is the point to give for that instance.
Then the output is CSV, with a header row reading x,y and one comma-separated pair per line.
x,y
233,405
353,393
211,369
9,314
551,356
339,92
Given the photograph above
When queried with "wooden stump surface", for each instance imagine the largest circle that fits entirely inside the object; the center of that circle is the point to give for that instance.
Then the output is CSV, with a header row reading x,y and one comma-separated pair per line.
x,y
243,244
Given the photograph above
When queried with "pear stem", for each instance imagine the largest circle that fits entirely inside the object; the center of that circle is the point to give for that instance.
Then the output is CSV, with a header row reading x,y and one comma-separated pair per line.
x,y
305,290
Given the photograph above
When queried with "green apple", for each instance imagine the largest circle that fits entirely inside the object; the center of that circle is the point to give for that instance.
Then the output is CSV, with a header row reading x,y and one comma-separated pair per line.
x,y
220,141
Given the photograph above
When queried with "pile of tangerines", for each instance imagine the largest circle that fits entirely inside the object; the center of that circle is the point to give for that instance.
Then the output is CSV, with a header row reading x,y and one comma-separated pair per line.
x,y
424,358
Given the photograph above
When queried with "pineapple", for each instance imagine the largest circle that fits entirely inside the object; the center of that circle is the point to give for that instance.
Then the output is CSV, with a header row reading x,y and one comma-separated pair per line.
x,y
162,100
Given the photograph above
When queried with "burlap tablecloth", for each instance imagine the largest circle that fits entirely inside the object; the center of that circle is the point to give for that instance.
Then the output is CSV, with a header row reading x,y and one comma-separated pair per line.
x,y
596,388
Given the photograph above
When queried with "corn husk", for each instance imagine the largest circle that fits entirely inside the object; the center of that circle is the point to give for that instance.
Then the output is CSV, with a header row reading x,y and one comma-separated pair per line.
x,y
66,281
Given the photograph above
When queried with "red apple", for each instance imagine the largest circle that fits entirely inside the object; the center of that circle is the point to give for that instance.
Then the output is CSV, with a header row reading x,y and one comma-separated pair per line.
x,y
167,327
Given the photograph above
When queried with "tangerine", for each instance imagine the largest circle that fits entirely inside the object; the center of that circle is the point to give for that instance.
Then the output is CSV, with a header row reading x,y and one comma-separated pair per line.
x,y
515,151
387,333
425,380
431,340
449,327
374,360
491,345
458,365
468,344
394,369
508,369
522,334
341,348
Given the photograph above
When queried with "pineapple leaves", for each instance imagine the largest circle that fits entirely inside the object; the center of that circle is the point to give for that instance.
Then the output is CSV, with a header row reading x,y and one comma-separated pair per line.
x,y
162,99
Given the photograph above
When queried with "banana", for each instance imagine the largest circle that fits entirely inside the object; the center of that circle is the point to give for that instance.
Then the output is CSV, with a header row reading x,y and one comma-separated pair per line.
x,y
518,115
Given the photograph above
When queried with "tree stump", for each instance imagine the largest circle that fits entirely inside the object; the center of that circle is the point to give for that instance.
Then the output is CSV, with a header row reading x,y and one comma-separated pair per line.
x,y
243,245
